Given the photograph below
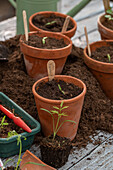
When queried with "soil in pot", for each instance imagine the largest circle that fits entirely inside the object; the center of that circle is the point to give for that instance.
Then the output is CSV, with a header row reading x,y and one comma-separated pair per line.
x,y
108,23
52,23
97,113
58,90
57,150
104,53
45,42
10,127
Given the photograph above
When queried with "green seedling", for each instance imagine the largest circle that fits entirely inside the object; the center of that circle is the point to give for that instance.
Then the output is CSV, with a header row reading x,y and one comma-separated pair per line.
x,y
43,40
109,14
61,89
12,133
60,113
109,57
50,23
2,124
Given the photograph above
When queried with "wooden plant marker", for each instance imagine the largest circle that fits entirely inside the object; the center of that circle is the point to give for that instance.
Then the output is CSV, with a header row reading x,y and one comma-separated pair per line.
x,y
51,69
66,22
25,25
106,4
88,46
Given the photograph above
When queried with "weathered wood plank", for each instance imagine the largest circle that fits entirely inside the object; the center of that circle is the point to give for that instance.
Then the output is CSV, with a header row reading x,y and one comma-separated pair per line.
x,y
101,158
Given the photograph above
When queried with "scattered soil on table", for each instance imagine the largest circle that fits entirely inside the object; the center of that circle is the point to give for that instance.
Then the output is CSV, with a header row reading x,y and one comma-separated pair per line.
x,y
58,90
3,53
104,54
52,23
45,42
97,113
55,152
108,23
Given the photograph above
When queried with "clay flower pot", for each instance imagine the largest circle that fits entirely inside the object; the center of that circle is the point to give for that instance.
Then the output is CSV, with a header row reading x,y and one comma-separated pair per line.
x,y
36,58
29,157
101,70
70,33
75,104
105,32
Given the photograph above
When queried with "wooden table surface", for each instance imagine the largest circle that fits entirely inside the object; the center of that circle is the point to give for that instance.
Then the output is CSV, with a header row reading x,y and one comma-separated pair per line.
x,y
93,157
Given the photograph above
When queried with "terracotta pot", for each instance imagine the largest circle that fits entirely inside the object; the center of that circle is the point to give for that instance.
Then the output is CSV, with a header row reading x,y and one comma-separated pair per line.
x,y
101,70
105,32
36,58
29,157
69,33
75,104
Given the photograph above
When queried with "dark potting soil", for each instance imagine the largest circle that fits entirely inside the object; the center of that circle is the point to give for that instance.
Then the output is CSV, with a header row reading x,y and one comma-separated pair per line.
x,y
52,23
3,52
108,23
45,42
10,168
97,113
58,90
55,152
10,127
104,54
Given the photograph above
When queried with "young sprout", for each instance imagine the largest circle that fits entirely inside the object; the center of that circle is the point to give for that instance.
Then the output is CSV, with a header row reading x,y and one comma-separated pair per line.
x,y
43,39
12,133
109,57
61,89
3,123
60,113
109,14
49,23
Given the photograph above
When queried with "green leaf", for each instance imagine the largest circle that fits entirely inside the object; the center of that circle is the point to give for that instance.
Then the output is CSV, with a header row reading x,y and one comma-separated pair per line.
x,y
7,161
109,11
43,39
109,57
5,123
49,23
54,111
3,119
61,104
107,16
45,110
32,163
65,107
59,87
55,107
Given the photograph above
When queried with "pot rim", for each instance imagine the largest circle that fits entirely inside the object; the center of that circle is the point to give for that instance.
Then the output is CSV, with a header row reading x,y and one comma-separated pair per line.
x,y
100,24
95,64
47,50
59,101
58,14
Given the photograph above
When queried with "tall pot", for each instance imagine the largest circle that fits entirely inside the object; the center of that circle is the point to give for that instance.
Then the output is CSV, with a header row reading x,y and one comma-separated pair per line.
x,y
75,104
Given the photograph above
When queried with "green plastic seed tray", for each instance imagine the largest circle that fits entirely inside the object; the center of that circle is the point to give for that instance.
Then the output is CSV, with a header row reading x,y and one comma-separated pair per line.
x,y
8,146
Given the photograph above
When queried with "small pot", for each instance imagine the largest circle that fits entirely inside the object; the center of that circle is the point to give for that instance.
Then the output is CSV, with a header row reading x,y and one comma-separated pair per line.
x,y
75,104
106,33
30,157
36,58
101,70
69,33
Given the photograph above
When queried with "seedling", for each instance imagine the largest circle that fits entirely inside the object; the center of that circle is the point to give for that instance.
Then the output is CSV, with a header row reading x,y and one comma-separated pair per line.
x,y
61,89
109,14
60,113
109,57
50,23
43,40
12,133
2,124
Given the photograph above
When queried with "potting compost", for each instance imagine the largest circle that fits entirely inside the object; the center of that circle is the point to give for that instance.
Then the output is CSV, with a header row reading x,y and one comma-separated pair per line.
x,y
52,23
97,113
